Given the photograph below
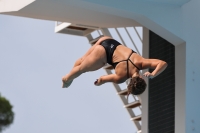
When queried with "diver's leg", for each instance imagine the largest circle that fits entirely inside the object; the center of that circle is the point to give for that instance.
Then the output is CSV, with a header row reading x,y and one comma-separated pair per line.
x,y
79,61
68,79
75,72
93,47
95,60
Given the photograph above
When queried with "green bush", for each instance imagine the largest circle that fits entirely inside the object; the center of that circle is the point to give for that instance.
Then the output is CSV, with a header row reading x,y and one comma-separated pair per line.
x,y
6,113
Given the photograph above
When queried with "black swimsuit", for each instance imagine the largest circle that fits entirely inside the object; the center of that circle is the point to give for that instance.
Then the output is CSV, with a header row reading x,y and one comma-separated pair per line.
x,y
110,46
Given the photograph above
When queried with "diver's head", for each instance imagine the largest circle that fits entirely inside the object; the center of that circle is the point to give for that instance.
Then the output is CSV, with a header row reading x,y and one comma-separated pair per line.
x,y
137,85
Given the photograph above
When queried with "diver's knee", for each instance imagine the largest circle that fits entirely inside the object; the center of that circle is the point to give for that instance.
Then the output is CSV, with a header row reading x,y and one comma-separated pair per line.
x,y
82,69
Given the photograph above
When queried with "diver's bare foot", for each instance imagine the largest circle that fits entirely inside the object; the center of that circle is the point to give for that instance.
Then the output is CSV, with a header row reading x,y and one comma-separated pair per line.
x,y
66,84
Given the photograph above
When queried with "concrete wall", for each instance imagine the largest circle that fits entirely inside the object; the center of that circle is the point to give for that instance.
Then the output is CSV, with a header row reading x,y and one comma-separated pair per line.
x,y
191,34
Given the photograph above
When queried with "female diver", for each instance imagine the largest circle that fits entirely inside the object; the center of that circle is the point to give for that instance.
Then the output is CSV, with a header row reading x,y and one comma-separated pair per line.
x,y
125,61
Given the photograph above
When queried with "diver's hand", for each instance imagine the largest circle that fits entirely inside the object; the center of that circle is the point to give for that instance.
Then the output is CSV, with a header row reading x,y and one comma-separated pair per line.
x,y
98,82
148,75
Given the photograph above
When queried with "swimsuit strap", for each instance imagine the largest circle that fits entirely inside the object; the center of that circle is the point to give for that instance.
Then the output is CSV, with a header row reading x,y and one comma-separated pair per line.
x,y
127,69
127,63
134,64
131,63
128,59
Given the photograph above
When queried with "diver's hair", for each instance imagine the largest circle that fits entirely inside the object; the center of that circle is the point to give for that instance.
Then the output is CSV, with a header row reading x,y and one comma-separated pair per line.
x,y
136,86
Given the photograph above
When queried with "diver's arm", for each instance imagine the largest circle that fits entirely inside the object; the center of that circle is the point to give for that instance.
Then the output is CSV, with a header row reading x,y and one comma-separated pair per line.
x,y
158,65
108,78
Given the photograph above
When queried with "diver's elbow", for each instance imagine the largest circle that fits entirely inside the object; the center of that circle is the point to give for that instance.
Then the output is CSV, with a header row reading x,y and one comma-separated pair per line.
x,y
164,64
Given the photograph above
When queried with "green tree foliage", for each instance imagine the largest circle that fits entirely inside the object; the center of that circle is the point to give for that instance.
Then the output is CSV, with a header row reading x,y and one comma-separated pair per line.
x,y
6,113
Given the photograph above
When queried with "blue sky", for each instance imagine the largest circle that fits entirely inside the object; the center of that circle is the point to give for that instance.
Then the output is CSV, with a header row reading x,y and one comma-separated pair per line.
x,y
33,61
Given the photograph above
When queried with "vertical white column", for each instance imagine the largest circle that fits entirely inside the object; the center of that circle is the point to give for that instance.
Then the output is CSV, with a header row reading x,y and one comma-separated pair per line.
x,y
180,88
144,98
